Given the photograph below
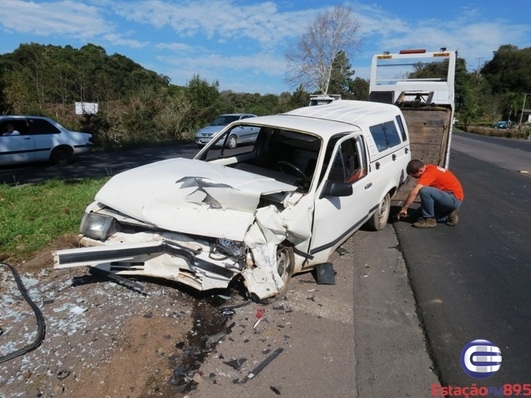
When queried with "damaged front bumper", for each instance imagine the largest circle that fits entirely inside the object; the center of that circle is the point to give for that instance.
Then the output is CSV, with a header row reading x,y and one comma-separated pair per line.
x,y
123,246
161,259
193,263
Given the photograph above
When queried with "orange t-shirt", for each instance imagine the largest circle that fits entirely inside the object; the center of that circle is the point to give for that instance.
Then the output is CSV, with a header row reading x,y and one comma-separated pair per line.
x,y
443,179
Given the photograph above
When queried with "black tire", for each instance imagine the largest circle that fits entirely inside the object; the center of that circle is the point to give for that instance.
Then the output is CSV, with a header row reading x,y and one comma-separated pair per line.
x,y
61,155
380,217
232,142
285,267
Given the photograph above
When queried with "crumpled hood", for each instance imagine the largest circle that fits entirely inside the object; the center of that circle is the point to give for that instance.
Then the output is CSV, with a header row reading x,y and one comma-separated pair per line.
x,y
190,196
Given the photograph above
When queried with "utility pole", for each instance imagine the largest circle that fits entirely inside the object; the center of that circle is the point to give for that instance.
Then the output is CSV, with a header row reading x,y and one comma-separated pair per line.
x,y
522,112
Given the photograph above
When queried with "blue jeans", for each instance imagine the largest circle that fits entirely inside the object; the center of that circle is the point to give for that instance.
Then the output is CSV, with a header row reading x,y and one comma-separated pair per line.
x,y
437,204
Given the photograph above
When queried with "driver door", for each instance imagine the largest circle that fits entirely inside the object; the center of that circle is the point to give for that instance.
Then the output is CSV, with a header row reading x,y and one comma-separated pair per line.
x,y
16,149
337,217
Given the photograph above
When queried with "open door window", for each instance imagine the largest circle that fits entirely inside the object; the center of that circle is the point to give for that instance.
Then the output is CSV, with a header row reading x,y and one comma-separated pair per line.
x,y
349,163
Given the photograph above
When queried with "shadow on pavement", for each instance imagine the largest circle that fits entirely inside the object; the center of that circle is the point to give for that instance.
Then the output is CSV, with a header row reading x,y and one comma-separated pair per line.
x,y
93,165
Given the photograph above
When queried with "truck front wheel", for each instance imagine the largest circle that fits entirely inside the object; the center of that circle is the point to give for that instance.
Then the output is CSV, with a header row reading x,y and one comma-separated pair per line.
x,y
285,267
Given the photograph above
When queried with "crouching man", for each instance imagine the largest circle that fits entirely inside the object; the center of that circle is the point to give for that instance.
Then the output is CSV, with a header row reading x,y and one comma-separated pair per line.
x,y
440,193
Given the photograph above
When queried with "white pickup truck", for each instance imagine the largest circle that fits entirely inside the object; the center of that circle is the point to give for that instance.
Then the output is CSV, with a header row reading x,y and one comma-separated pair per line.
x,y
259,212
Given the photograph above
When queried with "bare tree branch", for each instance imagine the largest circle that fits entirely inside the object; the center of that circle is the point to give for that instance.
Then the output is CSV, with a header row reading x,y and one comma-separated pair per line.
x,y
310,60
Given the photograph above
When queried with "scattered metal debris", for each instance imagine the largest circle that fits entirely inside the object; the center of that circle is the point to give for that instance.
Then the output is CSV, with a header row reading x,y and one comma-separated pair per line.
x,y
256,323
214,339
341,251
262,365
70,313
228,313
236,363
63,374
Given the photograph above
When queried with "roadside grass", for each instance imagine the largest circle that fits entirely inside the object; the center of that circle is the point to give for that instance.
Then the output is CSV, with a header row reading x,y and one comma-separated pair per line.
x,y
32,216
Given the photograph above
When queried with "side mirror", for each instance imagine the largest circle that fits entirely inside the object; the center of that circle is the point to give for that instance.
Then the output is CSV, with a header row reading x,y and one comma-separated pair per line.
x,y
332,188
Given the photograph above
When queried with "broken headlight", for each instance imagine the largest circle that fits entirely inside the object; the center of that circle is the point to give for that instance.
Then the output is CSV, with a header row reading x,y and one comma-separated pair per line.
x,y
97,226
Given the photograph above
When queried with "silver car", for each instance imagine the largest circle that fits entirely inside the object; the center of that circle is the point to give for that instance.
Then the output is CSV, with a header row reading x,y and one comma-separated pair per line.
x,y
39,139
241,135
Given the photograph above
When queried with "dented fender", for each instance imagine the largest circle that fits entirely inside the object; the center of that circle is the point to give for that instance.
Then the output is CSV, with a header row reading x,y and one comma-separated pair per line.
x,y
263,237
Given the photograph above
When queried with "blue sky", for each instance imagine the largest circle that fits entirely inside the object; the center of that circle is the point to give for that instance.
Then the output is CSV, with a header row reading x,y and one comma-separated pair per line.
x,y
242,44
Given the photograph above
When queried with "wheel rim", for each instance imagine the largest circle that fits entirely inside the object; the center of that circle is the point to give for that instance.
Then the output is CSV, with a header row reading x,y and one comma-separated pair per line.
x,y
232,142
283,262
61,154
383,211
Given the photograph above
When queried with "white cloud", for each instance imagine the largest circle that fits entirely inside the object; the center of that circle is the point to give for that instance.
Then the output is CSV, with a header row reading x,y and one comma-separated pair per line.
x,y
219,19
52,18
118,40
176,47
463,30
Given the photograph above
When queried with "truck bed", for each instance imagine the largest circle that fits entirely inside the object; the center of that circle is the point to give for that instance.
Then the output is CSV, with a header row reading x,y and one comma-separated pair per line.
x,y
429,134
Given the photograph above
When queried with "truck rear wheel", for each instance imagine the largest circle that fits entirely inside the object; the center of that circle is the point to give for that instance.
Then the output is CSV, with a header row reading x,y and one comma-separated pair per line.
x,y
380,217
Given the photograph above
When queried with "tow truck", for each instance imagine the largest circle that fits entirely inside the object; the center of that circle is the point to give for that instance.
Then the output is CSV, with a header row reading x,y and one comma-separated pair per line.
x,y
421,84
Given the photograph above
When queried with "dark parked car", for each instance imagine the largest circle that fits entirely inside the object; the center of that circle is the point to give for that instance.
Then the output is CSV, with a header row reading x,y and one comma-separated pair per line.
x,y
502,124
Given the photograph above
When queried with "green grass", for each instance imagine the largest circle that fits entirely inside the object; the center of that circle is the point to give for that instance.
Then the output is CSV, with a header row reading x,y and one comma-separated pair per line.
x,y
32,216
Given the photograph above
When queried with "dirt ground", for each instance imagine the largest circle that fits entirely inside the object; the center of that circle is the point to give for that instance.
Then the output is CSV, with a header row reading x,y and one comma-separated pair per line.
x,y
104,339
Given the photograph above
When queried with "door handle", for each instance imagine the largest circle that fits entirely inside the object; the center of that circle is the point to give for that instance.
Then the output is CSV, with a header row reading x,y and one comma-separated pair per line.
x,y
377,165
394,157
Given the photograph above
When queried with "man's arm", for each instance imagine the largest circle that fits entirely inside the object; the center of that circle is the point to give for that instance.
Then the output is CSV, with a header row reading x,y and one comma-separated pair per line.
x,y
410,198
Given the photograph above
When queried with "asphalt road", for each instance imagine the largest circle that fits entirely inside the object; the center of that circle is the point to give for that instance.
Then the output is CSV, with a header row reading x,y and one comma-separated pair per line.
x,y
473,281
93,165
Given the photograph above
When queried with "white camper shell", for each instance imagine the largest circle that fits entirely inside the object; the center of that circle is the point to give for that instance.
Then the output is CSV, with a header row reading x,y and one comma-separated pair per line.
x,y
259,212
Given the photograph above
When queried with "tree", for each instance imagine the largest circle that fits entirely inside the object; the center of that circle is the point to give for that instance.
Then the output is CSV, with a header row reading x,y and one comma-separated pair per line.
x,y
509,70
299,98
204,98
310,61
341,76
359,89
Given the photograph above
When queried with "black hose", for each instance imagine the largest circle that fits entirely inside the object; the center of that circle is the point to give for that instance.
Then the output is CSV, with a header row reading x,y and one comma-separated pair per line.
x,y
41,327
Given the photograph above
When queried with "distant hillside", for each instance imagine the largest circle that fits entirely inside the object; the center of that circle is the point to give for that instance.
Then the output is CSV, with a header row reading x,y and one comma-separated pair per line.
x,y
45,74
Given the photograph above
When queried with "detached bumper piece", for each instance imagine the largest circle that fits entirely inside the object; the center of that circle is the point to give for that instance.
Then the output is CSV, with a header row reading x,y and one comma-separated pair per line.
x,y
161,259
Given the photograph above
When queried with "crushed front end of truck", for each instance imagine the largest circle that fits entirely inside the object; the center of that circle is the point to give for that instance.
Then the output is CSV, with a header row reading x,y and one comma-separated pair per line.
x,y
196,223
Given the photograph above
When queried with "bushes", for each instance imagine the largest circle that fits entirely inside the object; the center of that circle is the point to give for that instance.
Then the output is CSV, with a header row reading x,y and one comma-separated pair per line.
x,y
147,117
522,133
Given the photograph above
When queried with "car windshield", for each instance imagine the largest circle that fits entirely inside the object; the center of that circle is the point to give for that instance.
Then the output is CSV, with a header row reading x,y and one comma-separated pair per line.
x,y
285,155
224,120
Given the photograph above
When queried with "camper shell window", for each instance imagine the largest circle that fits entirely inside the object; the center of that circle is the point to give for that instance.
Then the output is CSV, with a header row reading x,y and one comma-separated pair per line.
x,y
385,135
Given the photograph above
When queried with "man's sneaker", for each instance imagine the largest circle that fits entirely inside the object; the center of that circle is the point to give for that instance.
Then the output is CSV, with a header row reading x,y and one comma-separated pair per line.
x,y
425,223
453,218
